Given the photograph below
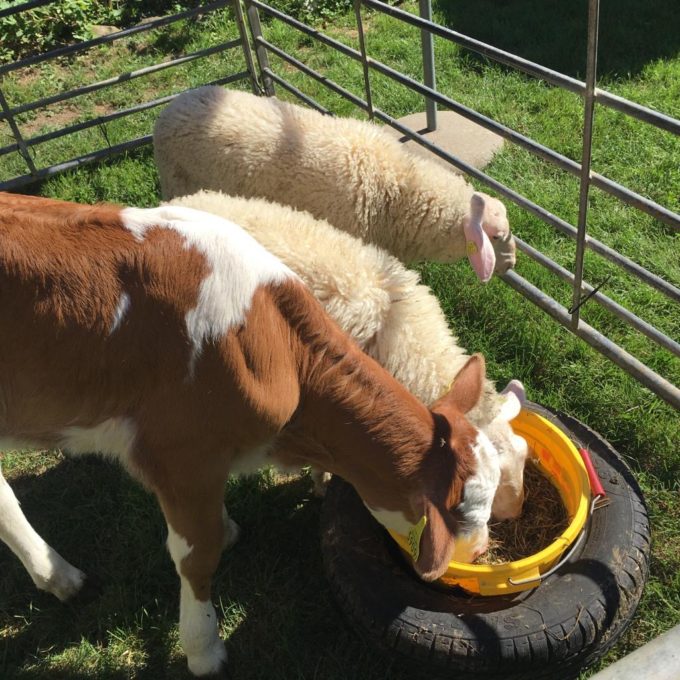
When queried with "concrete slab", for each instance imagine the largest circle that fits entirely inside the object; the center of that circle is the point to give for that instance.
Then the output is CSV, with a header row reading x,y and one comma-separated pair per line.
x,y
457,135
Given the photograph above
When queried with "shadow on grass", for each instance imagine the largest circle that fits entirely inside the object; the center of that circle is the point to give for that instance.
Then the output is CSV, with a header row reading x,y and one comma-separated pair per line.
x,y
553,34
281,619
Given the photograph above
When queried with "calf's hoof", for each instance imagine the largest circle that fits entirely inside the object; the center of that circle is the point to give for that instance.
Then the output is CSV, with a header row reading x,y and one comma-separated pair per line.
x,y
211,664
63,580
89,591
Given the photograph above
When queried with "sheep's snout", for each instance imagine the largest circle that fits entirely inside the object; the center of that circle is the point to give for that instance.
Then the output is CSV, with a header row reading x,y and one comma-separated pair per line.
x,y
505,254
497,227
471,544
508,502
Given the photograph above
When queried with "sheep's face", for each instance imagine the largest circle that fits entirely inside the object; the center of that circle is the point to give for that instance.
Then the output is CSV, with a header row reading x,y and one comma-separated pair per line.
x,y
489,245
497,228
512,451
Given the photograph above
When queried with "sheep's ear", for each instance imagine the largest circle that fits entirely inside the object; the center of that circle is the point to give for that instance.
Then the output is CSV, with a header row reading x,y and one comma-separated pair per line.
x,y
478,246
514,400
431,542
467,387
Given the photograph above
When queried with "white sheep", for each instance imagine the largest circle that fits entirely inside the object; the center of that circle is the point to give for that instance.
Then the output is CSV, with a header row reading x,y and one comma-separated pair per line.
x,y
346,171
393,317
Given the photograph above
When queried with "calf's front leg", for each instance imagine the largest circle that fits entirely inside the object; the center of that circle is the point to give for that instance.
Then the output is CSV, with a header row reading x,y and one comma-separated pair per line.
x,y
198,529
48,569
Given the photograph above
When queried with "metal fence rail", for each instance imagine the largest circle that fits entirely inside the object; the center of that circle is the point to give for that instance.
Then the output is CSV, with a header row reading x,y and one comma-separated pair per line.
x,y
11,113
264,81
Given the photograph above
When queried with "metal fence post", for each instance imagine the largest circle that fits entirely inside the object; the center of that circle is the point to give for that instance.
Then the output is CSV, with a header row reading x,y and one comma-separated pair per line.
x,y
427,44
364,58
589,108
247,52
260,50
23,149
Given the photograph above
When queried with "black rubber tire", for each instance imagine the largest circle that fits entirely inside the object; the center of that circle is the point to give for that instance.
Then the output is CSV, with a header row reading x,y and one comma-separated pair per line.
x,y
552,631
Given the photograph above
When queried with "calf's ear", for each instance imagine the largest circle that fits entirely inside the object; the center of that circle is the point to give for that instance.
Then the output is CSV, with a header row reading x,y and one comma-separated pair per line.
x,y
466,389
431,542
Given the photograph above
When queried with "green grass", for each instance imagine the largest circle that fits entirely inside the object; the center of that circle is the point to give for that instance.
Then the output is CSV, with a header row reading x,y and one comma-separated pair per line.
x,y
278,613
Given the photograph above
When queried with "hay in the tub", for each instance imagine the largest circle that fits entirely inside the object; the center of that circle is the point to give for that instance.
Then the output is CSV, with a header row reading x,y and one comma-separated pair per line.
x,y
543,519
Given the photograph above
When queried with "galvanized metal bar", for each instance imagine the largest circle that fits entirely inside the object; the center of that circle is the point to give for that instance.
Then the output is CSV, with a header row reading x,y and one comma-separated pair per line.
x,y
531,68
524,65
24,6
593,244
307,30
78,127
43,173
622,193
260,52
570,166
74,163
643,113
634,199
299,94
245,44
601,299
364,57
123,77
586,155
656,383
20,143
429,76
324,80
125,33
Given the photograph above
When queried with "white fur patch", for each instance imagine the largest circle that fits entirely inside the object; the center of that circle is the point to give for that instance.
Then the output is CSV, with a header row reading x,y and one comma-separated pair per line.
x,y
391,519
121,310
112,437
250,462
47,568
177,547
480,488
198,634
239,266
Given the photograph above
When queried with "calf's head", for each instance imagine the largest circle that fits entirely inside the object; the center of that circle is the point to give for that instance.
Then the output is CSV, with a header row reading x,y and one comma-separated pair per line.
x,y
458,480
489,243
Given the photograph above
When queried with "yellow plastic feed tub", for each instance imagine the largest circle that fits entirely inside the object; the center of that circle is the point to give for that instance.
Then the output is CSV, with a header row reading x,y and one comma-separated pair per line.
x,y
562,463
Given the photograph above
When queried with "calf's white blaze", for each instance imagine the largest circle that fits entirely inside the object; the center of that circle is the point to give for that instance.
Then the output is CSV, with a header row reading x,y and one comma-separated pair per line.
x,y
478,494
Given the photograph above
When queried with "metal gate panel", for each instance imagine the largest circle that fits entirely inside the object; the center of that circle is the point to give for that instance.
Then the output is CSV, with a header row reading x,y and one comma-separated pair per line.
x,y
26,146
591,95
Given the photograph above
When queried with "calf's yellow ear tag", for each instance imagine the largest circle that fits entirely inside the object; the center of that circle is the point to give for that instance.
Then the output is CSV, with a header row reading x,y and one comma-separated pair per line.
x,y
414,534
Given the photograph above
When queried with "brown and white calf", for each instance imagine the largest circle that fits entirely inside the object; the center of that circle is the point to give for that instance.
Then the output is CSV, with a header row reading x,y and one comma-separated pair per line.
x,y
172,341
